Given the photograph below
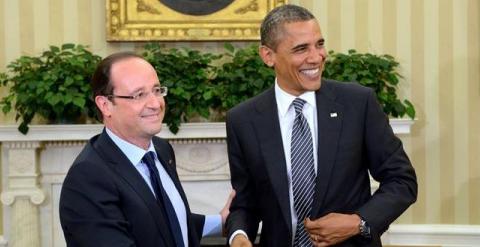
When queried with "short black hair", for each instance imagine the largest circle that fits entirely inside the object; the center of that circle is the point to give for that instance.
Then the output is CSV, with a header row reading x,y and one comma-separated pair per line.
x,y
272,25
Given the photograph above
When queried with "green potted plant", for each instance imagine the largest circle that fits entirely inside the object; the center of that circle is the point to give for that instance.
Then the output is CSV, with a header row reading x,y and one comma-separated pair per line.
x,y
187,74
374,71
242,76
201,83
54,86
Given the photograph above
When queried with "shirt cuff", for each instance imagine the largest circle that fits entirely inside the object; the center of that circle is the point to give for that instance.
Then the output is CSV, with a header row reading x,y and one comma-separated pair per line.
x,y
235,233
212,225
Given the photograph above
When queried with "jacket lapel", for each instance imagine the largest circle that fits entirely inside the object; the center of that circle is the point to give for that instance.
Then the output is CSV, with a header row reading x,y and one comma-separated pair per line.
x,y
267,126
330,116
165,156
117,160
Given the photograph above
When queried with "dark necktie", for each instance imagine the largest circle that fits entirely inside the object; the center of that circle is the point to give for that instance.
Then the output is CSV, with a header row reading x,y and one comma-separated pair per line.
x,y
149,160
303,172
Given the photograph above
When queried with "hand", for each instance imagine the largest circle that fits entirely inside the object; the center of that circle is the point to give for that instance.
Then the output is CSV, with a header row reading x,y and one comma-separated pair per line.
x,y
226,210
332,228
241,240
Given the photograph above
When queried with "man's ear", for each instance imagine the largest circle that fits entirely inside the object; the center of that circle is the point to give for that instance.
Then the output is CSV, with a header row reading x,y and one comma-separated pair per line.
x,y
267,55
104,105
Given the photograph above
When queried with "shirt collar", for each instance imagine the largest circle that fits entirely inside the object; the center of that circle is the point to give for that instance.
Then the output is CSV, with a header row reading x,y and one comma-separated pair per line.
x,y
133,152
284,99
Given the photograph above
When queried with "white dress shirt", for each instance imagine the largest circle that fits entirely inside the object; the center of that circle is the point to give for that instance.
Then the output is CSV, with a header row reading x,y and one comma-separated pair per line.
x,y
213,223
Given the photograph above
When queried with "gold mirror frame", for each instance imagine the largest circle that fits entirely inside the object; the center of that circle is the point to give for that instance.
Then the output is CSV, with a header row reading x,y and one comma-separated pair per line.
x,y
149,20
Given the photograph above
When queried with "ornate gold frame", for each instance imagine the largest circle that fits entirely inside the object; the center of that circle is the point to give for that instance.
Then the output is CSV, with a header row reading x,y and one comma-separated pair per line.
x,y
148,20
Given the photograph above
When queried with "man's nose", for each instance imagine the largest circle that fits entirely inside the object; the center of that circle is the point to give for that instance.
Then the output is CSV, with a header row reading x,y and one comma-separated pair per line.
x,y
316,56
154,102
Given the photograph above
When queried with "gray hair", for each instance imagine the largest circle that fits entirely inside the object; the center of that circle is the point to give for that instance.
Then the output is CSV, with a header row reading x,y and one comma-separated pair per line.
x,y
272,26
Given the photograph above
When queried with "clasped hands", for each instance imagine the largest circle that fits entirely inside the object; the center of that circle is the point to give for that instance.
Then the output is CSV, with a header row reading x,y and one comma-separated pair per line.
x,y
332,228
328,230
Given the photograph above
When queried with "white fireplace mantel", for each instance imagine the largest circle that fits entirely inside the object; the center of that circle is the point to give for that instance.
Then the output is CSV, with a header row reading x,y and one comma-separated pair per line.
x,y
34,167
63,132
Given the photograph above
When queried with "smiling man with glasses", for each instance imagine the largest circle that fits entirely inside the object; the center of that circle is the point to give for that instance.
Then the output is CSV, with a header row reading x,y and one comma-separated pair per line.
x,y
123,188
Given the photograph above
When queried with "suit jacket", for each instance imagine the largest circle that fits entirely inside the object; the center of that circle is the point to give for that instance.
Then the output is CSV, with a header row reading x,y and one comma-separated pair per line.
x,y
106,202
356,141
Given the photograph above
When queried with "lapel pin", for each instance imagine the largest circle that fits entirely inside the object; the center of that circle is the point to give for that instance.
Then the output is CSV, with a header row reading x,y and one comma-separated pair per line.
x,y
170,162
333,114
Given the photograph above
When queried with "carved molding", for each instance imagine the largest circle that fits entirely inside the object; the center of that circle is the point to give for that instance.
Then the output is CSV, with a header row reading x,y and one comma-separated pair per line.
x,y
61,144
147,20
237,33
113,10
22,162
69,132
22,165
251,6
198,141
21,144
145,7
36,196
201,159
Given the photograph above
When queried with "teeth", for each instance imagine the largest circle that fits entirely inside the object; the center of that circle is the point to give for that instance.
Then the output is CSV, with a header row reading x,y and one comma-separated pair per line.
x,y
310,72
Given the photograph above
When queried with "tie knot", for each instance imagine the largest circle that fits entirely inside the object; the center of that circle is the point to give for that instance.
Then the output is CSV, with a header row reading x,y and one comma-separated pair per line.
x,y
298,104
149,158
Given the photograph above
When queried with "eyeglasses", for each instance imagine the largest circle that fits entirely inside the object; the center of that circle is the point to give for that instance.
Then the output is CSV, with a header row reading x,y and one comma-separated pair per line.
x,y
141,96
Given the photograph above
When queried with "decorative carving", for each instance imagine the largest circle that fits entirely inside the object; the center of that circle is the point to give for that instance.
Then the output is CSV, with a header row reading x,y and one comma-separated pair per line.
x,y
35,195
202,159
142,20
21,144
22,161
8,198
113,14
198,141
57,144
144,7
252,6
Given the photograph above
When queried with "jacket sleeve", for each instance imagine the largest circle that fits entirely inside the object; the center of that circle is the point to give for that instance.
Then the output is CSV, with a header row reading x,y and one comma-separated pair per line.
x,y
243,215
390,166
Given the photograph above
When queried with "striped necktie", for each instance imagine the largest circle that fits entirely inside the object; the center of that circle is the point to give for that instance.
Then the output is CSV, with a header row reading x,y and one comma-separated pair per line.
x,y
303,172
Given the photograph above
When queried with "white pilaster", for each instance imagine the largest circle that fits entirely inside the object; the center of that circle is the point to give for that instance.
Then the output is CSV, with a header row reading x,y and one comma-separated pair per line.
x,y
22,193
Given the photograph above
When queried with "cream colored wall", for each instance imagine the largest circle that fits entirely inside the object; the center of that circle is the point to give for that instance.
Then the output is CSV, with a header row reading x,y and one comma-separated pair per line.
x,y
437,43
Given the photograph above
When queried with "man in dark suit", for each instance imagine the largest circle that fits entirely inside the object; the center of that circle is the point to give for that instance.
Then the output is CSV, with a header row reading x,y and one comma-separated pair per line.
x,y
301,153
123,188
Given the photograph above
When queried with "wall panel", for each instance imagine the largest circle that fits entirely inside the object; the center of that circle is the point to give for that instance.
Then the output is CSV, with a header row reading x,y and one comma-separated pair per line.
x,y
473,97
418,91
445,110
